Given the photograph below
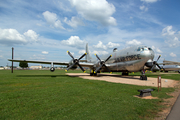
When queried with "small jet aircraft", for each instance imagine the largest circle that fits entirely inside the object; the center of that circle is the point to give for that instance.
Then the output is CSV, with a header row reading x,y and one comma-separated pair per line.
x,y
132,59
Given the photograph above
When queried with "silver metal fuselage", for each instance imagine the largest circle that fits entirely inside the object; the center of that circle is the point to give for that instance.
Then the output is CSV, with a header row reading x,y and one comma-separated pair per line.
x,y
130,59
169,68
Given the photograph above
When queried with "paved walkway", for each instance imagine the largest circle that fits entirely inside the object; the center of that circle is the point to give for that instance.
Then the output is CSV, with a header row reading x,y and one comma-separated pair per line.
x,y
133,80
175,111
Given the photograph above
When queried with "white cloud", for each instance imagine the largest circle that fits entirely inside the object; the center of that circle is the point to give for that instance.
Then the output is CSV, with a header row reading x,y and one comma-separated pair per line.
x,y
149,1
100,45
45,52
173,42
112,45
173,55
156,49
63,6
168,31
172,37
100,52
74,41
133,42
37,57
11,36
82,51
143,8
95,10
1,57
74,22
32,35
52,19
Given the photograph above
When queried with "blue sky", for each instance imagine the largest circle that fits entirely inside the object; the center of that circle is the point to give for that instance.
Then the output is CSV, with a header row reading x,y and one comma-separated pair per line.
x,y
45,30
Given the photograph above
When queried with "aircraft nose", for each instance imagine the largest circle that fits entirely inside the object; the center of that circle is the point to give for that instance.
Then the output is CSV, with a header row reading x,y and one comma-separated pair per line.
x,y
152,54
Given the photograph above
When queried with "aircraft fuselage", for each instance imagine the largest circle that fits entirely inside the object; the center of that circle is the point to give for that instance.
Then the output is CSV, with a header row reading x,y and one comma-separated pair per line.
x,y
130,59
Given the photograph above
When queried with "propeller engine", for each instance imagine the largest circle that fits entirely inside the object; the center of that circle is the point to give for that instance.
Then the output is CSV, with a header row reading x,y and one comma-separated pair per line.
x,y
102,64
153,64
75,62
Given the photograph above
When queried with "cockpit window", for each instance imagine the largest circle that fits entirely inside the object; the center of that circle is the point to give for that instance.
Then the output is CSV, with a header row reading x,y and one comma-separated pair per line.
x,y
138,49
149,48
143,49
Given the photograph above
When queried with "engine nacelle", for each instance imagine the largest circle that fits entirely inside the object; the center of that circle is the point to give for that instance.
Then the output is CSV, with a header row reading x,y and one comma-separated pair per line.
x,y
73,68
70,63
149,63
52,69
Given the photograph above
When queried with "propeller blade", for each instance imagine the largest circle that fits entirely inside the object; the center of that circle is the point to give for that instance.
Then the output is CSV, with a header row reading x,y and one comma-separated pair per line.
x,y
102,63
82,56
70,67
107,68
98,68
108,58
153,67
70,55
81,67
159,66
158,57
75,61
98,57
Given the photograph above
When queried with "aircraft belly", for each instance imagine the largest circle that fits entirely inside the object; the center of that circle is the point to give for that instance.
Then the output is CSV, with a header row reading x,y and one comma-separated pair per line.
x,y
131,66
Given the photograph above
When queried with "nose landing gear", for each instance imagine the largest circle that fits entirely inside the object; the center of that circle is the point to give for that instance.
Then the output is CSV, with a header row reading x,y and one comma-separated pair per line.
x,y
143,76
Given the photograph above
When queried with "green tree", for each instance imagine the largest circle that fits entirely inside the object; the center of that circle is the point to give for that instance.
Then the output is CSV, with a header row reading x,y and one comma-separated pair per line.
x,y
23,64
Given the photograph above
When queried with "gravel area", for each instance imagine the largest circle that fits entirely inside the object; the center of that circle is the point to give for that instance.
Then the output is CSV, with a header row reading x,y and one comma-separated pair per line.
x,y
134,80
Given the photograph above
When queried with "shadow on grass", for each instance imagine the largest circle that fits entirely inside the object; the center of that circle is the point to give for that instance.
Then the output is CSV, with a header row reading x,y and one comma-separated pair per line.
x,y
41,75
110,75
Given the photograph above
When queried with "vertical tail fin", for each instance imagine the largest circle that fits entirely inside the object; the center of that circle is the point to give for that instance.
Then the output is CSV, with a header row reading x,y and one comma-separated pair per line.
x,y
88,57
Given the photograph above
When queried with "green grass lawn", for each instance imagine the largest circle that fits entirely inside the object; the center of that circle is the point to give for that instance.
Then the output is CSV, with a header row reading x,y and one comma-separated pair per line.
x,y
41,94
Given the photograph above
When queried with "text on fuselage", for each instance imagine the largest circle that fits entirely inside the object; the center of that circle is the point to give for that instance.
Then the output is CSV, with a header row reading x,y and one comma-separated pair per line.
x,y
128,58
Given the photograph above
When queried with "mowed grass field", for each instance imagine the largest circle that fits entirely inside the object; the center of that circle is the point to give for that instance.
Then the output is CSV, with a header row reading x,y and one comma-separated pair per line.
x,y
41,94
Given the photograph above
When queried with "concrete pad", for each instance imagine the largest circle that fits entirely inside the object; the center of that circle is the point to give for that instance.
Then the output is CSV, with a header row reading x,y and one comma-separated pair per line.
x,y
133,80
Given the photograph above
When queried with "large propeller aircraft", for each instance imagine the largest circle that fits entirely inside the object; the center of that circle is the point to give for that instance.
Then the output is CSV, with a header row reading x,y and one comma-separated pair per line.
x,y
132,59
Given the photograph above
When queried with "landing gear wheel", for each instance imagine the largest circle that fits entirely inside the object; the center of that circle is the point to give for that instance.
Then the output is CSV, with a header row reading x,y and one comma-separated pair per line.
x,y
125,73
92,73
143,77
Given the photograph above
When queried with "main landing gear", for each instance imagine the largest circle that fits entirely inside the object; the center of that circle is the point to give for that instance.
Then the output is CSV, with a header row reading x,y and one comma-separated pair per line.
x,y
92,73
143,76
125,73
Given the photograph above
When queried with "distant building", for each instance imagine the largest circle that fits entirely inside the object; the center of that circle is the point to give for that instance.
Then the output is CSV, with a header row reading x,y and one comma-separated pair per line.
x,y
7,68
36,67
2,68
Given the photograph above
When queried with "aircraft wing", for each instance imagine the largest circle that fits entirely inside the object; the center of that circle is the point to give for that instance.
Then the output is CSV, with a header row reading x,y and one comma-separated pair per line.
x,y
169,63
49,62
42,62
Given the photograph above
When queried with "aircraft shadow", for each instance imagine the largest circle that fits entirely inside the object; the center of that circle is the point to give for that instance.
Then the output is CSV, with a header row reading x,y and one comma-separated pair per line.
x,y
109,75
41,75
120,76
